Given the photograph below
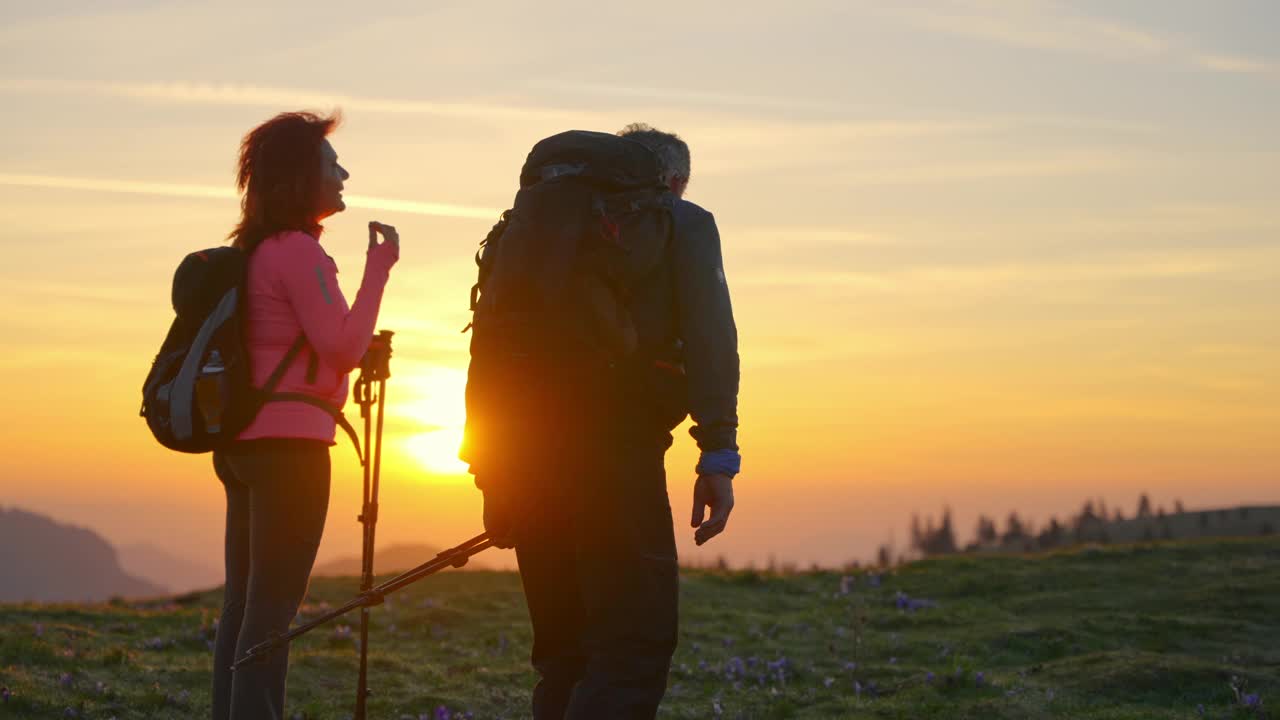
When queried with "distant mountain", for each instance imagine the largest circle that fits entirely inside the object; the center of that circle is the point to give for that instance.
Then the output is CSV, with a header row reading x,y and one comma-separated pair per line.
x,y
175,573
44,560
394,558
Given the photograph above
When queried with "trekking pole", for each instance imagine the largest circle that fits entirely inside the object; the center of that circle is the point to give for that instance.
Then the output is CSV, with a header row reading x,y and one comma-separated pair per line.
x,y
375,367
453,557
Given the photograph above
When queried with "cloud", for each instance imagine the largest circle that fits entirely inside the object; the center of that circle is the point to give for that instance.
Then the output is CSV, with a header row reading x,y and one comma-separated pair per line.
x,y
1038,25
366,202
1008,277
1237,64
1051,165
233,94
1054,26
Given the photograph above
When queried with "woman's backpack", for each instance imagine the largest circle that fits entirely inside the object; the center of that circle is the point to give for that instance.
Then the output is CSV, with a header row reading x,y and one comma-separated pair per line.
x,y
199,394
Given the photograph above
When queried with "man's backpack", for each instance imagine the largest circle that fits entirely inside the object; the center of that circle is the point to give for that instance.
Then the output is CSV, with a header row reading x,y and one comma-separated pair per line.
x,y
199,394
552,332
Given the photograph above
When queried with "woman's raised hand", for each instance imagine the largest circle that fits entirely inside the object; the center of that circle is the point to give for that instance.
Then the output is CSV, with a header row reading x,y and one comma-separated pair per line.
x,y
388,233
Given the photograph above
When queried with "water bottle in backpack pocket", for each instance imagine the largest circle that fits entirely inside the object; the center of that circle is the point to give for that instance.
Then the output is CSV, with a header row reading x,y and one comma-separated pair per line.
x,y
212,392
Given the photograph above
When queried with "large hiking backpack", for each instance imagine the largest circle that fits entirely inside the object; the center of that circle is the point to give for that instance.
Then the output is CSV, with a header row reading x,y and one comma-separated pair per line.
x,y
199,394
552,333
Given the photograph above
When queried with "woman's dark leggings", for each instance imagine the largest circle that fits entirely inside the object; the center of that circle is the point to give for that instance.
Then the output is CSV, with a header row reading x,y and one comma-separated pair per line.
x,y
277,497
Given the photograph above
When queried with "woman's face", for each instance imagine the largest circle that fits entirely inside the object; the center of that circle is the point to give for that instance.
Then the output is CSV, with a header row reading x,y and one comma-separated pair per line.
x,y
332,176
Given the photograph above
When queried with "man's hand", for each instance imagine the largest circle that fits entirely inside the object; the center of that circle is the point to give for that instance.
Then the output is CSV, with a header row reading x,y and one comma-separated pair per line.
x,y
500,519
715,492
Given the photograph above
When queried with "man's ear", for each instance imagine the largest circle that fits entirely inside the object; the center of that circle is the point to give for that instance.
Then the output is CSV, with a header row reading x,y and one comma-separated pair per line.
x,y
678,184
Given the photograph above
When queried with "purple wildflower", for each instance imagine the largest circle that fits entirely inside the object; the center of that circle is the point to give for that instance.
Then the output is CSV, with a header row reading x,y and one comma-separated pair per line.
x,y
5,694
929,677
851,666
1200,710
779,668
1252,700
442,713
907,603
873,581
716,708
39,629
66,680
846,584
979,679
828,682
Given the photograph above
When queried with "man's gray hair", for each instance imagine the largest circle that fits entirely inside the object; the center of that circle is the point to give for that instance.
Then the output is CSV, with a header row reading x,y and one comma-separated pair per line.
x,y
673,153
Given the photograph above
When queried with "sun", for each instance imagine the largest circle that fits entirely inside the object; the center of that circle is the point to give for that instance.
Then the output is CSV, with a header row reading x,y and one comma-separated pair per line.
x,y
434,405
437,451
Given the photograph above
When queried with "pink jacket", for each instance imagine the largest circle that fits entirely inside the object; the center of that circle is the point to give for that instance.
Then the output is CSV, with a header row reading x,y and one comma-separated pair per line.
x,y
292,287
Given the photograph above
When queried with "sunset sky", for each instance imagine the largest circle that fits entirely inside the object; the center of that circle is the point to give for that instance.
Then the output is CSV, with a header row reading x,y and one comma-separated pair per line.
x,y
992,255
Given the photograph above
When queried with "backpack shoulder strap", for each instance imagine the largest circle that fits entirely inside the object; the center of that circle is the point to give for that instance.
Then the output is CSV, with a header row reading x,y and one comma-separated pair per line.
x,y
268,393
278,374
335,413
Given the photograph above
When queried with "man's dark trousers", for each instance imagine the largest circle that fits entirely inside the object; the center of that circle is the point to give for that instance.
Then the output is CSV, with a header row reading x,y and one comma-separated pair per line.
x,y
598,562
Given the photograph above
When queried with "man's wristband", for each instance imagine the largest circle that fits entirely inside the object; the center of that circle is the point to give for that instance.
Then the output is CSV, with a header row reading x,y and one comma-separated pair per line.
x,y
720,462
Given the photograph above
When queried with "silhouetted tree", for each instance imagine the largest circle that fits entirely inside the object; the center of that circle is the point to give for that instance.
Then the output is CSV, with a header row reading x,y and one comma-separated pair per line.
x,y
987,531
884,557
1089,525
1015,531
945,540
1144,506
1051,536
1178,507
934,540
1119,517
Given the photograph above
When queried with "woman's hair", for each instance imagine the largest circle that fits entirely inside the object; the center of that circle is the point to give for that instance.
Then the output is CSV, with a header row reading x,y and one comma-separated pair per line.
x,y
280,174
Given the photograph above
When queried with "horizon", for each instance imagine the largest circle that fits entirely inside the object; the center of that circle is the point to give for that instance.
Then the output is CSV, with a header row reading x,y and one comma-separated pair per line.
x,y
992,257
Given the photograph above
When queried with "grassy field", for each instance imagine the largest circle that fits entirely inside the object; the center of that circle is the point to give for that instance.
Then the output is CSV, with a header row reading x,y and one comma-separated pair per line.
x,y
1183,630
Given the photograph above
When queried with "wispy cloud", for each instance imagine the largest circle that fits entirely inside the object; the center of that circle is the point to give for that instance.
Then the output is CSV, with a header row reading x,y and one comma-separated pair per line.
x,y
1008,277
1047,166
265,96
1055,26
1238,64
1039,25
132,187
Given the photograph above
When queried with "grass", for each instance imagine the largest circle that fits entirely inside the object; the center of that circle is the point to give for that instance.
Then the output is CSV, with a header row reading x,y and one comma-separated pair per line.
x,y
1150,631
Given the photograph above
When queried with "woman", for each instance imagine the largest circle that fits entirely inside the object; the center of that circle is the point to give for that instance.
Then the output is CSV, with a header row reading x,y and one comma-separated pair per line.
x,y
276,475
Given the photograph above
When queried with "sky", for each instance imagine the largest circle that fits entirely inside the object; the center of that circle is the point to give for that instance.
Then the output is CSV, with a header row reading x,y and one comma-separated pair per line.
x,y
988,255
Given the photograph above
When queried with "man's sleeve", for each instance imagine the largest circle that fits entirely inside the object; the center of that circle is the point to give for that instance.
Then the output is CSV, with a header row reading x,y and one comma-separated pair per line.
x,y
705,317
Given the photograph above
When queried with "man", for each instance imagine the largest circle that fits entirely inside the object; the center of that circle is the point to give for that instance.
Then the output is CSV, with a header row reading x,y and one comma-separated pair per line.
x,y
597,549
